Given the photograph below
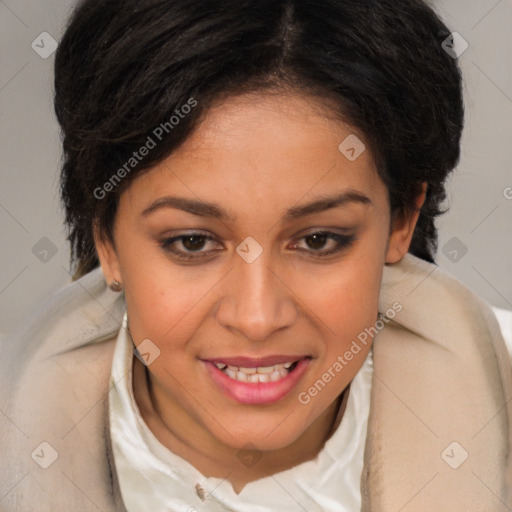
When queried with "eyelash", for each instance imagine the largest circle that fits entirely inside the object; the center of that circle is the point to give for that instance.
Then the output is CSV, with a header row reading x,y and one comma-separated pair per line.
x,y
342,242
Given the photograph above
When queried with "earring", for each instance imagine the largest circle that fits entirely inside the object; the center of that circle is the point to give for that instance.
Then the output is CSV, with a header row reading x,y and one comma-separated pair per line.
x,y
116,285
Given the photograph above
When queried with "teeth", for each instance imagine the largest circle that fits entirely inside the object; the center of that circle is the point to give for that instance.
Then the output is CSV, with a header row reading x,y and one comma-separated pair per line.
x,y
266,369
230,373
260,369
276,375
241,376
254,375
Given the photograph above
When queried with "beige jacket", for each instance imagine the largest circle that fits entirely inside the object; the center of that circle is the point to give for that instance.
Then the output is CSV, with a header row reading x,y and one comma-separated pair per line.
x,y
439,431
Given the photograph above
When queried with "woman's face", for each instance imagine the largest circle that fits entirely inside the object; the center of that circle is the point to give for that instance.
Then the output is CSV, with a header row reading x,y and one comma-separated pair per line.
x,y
249,191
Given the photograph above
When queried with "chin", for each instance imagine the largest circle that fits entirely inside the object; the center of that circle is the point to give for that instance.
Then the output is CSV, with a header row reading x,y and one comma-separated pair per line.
x,y
271,436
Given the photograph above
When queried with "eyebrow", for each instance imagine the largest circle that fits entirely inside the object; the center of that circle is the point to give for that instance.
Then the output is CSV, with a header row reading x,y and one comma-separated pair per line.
x,y
207,209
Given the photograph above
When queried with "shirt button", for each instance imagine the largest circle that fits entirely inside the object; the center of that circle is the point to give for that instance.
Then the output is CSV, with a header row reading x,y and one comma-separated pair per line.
x,y
200,492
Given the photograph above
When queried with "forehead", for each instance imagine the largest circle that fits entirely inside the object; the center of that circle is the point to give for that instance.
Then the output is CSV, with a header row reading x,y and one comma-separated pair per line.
x,y
262,149
265,122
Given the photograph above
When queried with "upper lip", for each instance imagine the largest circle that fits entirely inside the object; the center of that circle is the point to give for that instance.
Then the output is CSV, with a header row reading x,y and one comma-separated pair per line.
x,y
254,362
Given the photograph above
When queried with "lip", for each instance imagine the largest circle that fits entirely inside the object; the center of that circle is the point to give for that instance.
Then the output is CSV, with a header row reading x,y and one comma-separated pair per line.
x,y
254,362
257,393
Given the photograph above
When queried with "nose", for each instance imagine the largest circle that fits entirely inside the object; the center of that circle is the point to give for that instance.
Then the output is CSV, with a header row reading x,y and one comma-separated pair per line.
x,y
258,300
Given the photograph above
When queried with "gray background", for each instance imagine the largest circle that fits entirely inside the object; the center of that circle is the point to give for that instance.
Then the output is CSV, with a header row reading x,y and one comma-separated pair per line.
x,y
480,213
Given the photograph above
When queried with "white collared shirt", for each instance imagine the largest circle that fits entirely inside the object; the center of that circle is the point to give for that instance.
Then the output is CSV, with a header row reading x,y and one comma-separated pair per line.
x,y
151,477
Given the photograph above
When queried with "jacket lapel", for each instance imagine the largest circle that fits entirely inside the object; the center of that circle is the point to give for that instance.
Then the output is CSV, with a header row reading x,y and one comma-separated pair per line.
x,y
439,433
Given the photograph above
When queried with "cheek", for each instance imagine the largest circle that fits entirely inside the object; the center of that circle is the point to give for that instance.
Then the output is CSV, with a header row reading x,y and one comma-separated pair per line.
x,y
346,300
166,303
163,308
158,299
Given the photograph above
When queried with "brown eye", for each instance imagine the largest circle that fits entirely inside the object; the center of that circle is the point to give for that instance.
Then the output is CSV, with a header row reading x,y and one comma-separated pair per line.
x,y
316,241
191,242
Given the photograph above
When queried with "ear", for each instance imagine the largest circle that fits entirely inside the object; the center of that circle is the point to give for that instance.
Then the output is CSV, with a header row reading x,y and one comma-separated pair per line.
x,y
403,228
107,256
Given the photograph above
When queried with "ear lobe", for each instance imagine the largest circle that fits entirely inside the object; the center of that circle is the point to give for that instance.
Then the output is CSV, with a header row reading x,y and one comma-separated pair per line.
x,y
107,256
403,229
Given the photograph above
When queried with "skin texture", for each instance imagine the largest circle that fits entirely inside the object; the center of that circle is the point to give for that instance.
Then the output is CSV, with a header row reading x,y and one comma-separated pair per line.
x,y
255,156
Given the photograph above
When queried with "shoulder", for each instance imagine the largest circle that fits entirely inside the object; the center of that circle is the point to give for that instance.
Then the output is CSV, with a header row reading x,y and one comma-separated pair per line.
x,y
441,355
453,309
53,390
70,327
80,313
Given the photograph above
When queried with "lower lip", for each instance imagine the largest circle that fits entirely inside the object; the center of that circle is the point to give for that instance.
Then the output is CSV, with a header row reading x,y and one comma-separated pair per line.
x,y
257,392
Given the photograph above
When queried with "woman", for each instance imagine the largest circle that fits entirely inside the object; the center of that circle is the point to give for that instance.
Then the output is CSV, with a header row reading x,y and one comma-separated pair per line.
x,y
257,183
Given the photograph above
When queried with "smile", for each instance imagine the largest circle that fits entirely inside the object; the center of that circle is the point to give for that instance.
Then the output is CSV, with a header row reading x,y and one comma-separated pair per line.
x,y
253,383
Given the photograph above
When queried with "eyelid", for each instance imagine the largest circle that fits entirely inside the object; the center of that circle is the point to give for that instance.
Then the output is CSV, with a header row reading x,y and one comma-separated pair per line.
x,y
344,241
